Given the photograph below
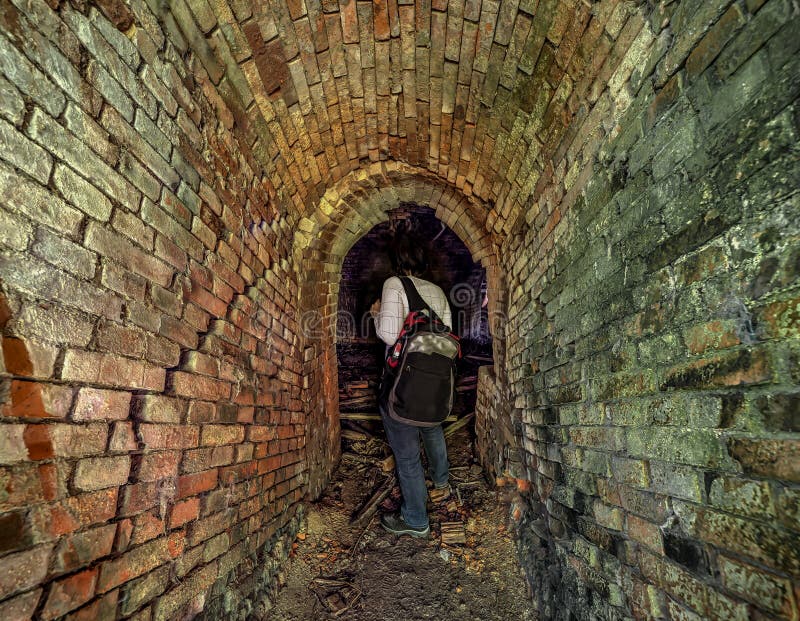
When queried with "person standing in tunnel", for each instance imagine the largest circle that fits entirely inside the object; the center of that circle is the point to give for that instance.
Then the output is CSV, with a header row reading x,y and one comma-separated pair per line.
x,y
389,312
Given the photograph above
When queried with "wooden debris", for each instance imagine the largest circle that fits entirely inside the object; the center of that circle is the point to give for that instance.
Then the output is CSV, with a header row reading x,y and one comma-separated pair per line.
x,y
357,401
358,416
387,464
453,533
461,422
350,434
369,416
439,495
337,596
360,459
371,505
359,428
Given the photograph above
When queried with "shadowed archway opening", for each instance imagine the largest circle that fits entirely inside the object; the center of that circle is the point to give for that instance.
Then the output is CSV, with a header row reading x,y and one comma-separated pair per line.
x,y
365,268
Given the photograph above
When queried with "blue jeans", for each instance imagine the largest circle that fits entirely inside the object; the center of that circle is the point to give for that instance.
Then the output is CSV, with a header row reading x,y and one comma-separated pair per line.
x,y
404,441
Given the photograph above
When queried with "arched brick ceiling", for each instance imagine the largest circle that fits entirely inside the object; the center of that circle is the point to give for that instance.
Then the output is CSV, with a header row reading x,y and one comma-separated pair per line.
x,y
486,95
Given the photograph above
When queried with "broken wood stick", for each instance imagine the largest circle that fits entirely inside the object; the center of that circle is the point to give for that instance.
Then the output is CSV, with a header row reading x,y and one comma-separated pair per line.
x,y
359,428
387,464
358,416
453,532
361,459
369,416
461,422
371,505
350,434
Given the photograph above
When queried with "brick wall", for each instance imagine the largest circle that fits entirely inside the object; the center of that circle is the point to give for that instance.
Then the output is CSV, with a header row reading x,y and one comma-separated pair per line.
x,y
180,183
652,350
152,429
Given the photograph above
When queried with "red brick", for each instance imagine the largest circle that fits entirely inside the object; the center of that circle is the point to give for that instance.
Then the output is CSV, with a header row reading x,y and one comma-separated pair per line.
x,y
101,609
199,387
197,362
168,436
54,479
124,534
215,435
205,299
261,433
201,412
102,472
74,513
644,532
78,440
117,13
146,526
20,608
776,459
160,465
70,593
140,497
193,484
37,442
93,404
159,409
16,356
122,438
239,472
709,336
111,370
205,458
184,511
133,564
117,339
80,549
23,570
38,400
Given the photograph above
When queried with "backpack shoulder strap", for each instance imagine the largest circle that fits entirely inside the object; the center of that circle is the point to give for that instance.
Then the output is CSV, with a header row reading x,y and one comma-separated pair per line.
x,y
415,301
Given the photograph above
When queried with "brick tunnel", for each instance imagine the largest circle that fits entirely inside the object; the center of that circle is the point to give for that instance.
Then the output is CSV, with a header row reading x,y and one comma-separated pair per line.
x,y
181,183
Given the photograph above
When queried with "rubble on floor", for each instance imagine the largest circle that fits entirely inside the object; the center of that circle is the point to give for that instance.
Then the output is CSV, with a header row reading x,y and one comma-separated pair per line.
x,y
345,566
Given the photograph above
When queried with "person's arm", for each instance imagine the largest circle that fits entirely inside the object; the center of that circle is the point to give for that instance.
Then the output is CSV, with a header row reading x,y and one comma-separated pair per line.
x,y
447,317
389,320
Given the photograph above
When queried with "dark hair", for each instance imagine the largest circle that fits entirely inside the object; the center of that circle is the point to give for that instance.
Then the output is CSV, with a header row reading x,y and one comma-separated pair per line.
x,y
408,255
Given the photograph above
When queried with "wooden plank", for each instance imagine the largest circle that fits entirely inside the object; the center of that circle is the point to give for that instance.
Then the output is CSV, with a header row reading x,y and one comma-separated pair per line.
x,y
453,532
349,434
371,505
450,429
368,416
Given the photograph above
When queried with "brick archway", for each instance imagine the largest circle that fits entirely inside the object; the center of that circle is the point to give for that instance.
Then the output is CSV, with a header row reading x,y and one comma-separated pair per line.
x,y
347,211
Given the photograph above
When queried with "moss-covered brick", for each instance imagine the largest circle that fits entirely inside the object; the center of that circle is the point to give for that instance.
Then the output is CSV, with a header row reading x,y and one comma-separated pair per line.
x,y
775,458
181,188
676,481
742,496
734,368
697,447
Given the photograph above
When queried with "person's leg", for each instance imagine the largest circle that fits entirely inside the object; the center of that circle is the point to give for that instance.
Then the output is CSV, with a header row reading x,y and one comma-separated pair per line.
x,y
404,441
436,452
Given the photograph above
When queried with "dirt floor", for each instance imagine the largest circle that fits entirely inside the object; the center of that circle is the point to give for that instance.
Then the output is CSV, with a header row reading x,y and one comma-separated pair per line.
x,y
359,572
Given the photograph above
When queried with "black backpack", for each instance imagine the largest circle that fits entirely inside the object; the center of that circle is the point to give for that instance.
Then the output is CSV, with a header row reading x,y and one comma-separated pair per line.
x,y
418,381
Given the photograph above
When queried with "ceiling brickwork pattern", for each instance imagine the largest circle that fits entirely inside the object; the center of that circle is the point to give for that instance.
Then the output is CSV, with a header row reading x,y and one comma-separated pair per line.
x,y
479,94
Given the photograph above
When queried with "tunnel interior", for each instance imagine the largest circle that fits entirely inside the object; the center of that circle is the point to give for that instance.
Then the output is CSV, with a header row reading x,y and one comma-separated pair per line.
x,y
367,265
188,190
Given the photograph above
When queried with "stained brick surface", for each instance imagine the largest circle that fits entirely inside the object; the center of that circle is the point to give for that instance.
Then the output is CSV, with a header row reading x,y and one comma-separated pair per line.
x,y
179,186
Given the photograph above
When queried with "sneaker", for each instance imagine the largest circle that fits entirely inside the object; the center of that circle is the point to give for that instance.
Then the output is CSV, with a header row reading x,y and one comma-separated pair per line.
x,y
440,494
394,523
